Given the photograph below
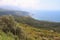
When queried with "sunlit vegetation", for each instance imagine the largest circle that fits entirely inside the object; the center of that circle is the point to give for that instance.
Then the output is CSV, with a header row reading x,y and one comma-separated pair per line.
x,y
14,28
38,24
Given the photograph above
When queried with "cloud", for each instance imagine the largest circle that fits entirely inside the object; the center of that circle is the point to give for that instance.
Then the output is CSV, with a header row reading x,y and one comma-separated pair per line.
x,y
33,4
28,4
8,2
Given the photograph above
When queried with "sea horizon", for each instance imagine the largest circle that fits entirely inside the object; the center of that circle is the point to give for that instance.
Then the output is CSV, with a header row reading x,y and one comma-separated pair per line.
x,y
53,16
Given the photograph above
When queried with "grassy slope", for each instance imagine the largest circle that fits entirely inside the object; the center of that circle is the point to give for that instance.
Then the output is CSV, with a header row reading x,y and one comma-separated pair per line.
x,y
39,34
4,36
39,24
28,32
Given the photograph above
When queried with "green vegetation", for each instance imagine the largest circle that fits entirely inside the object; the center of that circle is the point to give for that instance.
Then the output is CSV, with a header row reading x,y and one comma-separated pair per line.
x,y
26,28
38,24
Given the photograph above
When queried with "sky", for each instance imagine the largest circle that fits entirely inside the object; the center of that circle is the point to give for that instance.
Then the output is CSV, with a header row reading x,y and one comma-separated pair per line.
x,y
33,4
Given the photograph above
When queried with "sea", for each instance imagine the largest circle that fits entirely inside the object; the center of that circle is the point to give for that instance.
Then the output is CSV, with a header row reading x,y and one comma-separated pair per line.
x,y
53,16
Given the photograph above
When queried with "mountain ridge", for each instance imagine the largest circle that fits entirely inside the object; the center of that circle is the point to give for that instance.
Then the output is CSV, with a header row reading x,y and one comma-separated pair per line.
x,y
13,12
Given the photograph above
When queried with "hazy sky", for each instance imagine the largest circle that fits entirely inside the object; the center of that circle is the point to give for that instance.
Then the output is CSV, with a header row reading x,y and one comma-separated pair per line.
x,y
33,4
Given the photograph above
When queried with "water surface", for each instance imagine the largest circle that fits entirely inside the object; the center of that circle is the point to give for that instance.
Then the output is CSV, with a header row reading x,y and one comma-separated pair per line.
x,y
47,15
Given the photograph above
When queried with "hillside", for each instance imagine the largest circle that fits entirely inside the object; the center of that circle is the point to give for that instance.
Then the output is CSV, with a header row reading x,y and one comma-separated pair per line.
x,y
13,12
38,24
11,29
19,25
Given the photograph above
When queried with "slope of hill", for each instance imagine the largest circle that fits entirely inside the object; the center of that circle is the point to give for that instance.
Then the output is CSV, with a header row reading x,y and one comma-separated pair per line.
x,y
21,16
13,12
21,26
38,24
11,29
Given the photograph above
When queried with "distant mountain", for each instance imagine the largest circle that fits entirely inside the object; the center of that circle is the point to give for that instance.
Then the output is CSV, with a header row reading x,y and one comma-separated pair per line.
x,y
13,12
10,7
